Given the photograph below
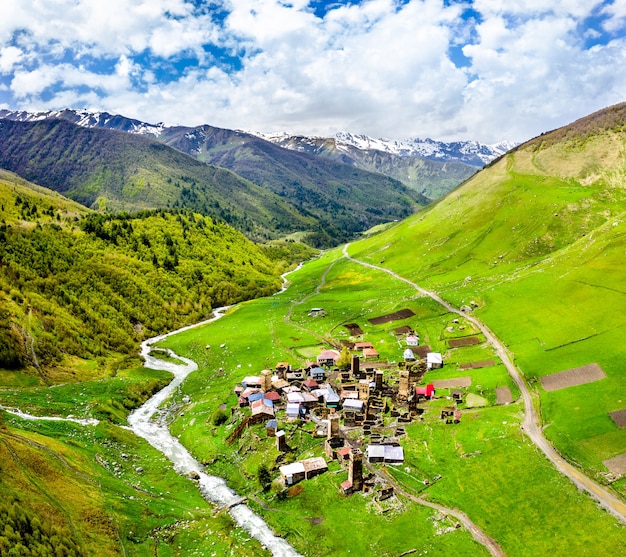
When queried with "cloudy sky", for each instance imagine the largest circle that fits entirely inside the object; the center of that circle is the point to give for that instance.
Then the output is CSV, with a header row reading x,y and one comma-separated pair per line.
x,y
479,69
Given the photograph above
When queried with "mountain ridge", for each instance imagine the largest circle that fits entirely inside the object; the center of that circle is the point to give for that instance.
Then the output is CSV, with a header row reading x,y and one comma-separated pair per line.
x,y
264,193
472,153
432,168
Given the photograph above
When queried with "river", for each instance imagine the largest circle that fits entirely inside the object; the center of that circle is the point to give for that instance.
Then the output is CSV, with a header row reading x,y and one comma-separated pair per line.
x,y
148,422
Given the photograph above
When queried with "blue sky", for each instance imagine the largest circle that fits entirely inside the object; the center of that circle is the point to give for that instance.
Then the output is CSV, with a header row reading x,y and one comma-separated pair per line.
x,y
484,69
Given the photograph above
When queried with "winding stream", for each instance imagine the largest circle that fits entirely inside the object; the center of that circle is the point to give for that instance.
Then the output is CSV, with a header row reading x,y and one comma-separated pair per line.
x,y
148,422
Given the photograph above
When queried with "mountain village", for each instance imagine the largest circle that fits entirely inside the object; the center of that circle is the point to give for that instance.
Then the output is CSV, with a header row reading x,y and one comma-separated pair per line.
x,y
359,405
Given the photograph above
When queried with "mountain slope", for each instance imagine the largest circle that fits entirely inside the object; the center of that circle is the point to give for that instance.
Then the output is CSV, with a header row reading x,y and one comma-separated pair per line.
x,y
78,284
430,177
537,242
347,199
122,171
117,171
429,167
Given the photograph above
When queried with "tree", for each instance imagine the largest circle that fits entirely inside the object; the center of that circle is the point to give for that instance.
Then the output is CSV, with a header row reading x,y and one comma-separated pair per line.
x,y
344,358
265,478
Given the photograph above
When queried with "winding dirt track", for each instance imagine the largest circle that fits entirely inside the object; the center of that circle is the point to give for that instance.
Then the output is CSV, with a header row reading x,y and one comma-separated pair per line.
x,y
531,424
481,537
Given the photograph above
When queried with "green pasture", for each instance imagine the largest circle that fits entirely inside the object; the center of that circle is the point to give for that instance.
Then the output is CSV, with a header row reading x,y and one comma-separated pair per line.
x,y
106,398
543,258
116,494
319,521
489,469
491,472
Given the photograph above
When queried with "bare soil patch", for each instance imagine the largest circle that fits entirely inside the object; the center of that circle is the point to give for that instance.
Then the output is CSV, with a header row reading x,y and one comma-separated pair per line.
x,y
421,351
395,316
619,417
449,383
478,365
295,491
503,395
467,341
573,377
354,329
617,464
404,330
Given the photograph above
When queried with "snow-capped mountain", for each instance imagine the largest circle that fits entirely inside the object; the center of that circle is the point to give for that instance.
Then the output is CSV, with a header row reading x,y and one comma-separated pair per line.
x,y
468,152
430,167
87,119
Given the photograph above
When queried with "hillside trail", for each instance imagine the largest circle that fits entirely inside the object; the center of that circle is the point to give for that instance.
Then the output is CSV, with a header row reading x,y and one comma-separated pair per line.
x,y
531,424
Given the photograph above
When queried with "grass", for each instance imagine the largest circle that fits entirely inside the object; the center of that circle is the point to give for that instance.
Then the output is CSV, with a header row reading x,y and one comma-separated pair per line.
x,y
113,491
502,476
104,398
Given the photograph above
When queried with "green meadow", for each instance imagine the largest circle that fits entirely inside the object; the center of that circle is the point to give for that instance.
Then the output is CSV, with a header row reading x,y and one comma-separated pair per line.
x,y
102,491
487,468
543,258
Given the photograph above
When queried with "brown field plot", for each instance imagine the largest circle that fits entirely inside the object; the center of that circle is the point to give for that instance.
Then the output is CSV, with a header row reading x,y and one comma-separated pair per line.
x,y
617,464
354,329
619,417
421,351
395,316
468,341
478,365
503,395
573,377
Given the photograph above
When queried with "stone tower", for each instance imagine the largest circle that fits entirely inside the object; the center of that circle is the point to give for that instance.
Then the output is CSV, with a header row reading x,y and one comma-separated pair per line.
x,y
281,442
403,389
266,380
364,389
355,471
378,380
333,426
354,365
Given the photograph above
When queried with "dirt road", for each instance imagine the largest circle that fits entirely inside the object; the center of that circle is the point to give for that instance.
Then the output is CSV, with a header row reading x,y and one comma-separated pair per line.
x,y
531,424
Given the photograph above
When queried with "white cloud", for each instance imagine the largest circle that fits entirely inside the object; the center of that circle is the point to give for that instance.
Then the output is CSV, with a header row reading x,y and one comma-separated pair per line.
x,y
9,57
110,27
380,67
616,11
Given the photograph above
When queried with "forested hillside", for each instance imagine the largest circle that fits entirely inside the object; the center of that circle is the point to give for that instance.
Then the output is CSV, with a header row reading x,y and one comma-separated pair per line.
x,y
280,193
346,199
88,286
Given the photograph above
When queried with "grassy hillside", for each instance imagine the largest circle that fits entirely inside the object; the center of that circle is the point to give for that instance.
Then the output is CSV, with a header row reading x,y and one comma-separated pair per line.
x,y
485,466
69,490
537,241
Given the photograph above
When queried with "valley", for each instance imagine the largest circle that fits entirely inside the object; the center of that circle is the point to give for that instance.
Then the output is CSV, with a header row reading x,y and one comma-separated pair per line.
x,y
515,279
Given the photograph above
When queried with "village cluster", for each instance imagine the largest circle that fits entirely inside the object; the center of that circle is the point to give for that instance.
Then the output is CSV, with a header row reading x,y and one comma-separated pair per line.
x,y
360,409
